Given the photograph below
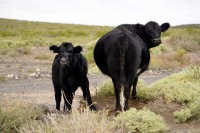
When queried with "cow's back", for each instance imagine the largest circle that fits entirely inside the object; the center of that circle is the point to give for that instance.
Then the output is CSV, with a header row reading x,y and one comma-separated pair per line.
x,y
101,50
107,50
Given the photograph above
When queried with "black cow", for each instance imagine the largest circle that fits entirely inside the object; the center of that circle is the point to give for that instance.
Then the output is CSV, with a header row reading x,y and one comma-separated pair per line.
x,y
123,54
69,71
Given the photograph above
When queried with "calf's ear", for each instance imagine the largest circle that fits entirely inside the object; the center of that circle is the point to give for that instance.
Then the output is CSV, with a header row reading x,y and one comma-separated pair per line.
x,y
54,48
77,49
164,27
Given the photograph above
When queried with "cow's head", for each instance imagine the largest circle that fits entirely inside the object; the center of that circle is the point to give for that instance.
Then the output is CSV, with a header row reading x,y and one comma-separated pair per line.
x,y
151,32
66,51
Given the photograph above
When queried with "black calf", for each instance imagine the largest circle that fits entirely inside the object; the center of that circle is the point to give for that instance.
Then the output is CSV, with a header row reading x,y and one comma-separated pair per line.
x,y
69,71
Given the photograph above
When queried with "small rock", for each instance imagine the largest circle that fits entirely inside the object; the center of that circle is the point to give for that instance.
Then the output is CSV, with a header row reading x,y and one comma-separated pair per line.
x,y
10,76
150,71
33,75
37,69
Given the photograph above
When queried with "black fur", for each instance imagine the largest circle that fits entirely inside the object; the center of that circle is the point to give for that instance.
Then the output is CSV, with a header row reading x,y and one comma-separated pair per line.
x,y
69,71
135,41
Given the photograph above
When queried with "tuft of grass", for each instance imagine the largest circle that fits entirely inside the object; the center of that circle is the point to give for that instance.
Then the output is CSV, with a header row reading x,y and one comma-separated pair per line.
x,y
3,51
14,114
178,58
78,122
106,89
143,121
179,55
2,78
22,117
159,49
24,50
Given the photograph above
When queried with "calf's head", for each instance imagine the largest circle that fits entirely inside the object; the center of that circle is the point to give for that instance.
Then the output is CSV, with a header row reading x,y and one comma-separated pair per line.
x,y
65,52
151,32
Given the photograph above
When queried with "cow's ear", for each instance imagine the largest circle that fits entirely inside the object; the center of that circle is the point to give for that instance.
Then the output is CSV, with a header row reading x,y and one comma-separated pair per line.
x,y
139,28
164,27
77,49
54,48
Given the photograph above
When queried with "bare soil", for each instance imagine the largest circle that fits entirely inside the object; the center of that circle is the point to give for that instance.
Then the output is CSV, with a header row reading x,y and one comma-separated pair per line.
x,y
25,78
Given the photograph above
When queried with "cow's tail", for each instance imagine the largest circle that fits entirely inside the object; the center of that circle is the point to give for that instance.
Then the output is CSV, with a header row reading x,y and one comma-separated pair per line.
x,y
122,46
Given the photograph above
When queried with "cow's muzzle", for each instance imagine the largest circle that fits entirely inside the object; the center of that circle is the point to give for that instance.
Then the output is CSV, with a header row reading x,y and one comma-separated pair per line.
x,y
156,41
64,61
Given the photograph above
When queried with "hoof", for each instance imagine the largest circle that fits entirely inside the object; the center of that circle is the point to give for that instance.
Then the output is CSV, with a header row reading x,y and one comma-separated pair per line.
x,y
93,108
134,97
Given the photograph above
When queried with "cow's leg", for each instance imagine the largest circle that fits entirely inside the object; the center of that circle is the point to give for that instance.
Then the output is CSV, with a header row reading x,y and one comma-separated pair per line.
x,y
68,98
57,90
117,87
134,92
127,94
86,92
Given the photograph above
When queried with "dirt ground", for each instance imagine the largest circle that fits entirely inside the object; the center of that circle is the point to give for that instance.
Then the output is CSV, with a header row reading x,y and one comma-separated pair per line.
x,y
25,78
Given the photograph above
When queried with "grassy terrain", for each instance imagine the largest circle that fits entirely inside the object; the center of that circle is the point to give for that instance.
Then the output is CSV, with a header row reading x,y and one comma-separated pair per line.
x,y
17,38
179,49
182,88
16,33
21,117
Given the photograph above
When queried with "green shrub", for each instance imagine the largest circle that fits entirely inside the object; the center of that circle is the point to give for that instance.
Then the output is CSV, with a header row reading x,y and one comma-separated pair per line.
x,y
194,72
159,49
182,115
180,54
143,121
192,111
182,87
106,89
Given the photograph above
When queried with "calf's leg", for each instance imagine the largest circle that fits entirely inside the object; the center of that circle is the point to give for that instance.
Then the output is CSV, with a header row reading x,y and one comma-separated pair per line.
x,y
86,92
68,98
57,90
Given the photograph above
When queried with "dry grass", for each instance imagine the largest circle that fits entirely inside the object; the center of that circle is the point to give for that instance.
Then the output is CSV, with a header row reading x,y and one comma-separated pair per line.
x,y
3,78
43,56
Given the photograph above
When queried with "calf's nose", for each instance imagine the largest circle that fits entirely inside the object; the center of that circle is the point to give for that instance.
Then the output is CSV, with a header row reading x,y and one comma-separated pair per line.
x,y
64,61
